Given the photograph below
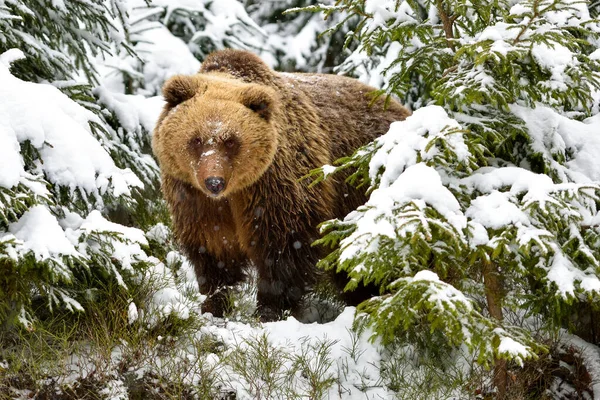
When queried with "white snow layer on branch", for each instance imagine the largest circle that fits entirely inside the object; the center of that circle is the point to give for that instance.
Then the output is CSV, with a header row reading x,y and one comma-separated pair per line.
x,y
419,184
373,71
127,251
227,17
133,111
504,195
408,140
554,133
590,355
440,293
60,130
564,274
168,298
384,11
512,349
298,47
48,239
223,11
403,180
39,231
159,54
495,211
164,55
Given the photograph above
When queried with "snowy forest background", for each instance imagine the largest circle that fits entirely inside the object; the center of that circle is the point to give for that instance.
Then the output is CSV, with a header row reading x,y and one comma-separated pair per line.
x,y
482,227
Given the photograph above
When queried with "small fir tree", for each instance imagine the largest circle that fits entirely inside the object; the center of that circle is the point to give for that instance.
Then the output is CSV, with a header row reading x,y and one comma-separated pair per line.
x,y
69,161
483,204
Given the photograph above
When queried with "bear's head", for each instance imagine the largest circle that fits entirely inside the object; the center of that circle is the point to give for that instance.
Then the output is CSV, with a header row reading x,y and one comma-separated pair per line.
x,y
216,133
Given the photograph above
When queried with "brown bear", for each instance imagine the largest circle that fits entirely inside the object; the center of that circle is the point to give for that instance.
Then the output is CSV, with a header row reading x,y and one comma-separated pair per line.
x,y
233,143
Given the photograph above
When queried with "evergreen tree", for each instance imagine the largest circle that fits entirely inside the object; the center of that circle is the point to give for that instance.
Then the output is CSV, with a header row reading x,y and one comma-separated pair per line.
x,y
296,40
55,35
69,163
105,58
483,210
169,37
208,25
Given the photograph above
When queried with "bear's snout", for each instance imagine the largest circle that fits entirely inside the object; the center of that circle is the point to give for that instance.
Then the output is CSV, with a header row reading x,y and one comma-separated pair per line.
x,y
215,184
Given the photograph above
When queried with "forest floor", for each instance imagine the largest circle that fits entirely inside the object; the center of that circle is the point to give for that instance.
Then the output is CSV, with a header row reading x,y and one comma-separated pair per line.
x,y
109,355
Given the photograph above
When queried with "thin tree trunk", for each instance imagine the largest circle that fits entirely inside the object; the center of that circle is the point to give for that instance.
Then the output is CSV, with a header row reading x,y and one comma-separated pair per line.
x,y
494,294
447,24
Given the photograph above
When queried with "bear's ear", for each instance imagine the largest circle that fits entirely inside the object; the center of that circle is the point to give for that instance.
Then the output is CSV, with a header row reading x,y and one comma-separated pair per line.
x,y
258,100
180,88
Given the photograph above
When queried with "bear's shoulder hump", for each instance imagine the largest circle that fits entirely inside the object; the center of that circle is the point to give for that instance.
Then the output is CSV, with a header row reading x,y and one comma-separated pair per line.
x,y
239,64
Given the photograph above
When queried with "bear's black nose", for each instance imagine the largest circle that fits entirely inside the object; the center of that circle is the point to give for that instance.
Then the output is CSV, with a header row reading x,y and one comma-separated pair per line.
x,y
214,184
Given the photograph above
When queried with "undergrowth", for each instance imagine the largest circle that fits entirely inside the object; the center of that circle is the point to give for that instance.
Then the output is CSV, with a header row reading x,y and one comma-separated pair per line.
x,y
104,354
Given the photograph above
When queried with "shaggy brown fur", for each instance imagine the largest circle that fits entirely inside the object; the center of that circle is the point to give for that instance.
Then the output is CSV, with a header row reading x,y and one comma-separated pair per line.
x,y
258,132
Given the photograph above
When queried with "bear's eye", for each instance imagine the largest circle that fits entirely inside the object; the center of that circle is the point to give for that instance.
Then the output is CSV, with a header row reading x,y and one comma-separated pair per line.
x,y
196,142
231,145
258,107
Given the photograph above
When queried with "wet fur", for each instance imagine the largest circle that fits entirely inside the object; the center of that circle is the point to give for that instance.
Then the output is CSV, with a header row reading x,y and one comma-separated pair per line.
x,y
266,216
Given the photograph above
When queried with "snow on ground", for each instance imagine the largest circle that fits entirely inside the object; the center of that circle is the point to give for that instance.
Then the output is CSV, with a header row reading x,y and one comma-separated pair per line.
x,y
353,359
267,361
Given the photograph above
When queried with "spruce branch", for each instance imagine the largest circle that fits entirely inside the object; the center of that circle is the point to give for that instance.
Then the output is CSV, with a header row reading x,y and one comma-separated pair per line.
x,y
526,27
536,14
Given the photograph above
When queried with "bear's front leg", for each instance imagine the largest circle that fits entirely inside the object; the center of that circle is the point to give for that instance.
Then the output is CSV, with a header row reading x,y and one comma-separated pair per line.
x,y
215,277
277,223
286,271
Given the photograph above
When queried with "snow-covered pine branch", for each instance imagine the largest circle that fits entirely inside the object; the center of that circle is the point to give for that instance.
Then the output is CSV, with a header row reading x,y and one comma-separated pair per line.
x,y
54,172
57,36
73,158
495,187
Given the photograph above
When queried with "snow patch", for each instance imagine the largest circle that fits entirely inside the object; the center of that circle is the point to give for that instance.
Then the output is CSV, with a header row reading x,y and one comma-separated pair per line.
x,y
60,130
591,358
496,211
408,140
10,56
132,313
39,231
420,185
168,298
159,233
513,349
426,275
